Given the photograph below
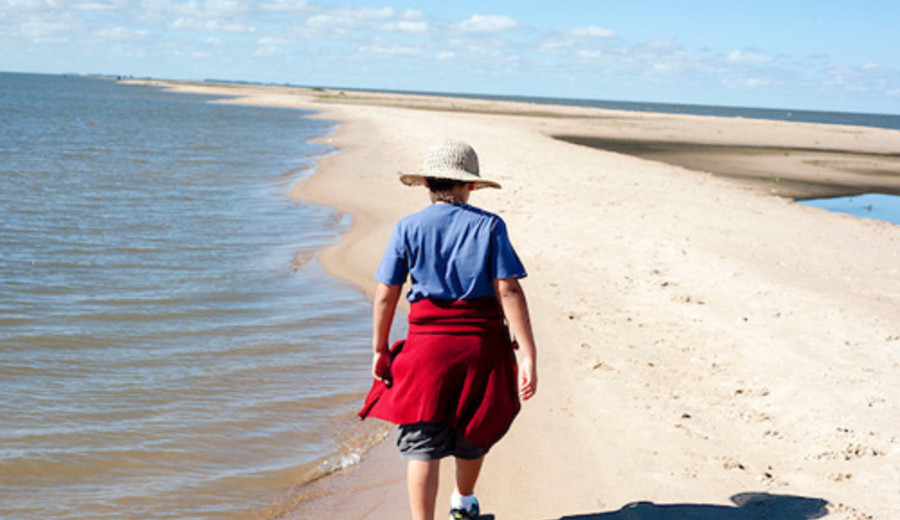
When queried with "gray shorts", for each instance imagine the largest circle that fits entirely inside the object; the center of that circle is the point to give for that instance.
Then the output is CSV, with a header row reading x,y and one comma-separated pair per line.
x,y
429,441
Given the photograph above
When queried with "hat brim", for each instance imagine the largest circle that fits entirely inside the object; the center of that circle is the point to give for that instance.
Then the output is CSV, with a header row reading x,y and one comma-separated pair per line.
x,y
418,179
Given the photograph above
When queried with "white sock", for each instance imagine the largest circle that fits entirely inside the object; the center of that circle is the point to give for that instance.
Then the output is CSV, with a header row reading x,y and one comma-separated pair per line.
x,y
458,501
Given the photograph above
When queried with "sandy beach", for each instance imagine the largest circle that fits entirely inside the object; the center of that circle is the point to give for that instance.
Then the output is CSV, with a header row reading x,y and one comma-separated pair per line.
x,y
708,348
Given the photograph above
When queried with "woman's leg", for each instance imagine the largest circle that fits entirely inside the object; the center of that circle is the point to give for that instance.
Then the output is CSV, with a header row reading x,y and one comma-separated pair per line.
x,y
422,480
467,475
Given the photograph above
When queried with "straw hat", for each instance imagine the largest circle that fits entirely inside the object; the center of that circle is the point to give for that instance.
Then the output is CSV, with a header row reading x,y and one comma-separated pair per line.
x,y
454,160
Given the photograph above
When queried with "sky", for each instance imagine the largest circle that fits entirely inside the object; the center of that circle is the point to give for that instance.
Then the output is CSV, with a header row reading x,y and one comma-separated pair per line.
x,y
818,55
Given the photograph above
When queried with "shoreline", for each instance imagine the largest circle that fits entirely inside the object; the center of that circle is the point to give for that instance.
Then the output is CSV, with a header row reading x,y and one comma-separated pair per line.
x,y
698,338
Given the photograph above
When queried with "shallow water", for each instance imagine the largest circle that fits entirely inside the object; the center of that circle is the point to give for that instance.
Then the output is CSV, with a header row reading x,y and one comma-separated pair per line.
x,y
163,354
876,206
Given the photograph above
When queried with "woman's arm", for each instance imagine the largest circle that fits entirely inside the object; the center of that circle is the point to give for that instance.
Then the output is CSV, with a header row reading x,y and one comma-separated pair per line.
x,y
515,308
385,304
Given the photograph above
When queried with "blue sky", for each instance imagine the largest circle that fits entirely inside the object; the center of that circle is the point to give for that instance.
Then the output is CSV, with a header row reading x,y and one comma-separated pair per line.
x,y
824,55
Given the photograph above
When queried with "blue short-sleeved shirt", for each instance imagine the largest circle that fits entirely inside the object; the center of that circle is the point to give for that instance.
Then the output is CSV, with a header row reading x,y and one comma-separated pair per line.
x,y
450,252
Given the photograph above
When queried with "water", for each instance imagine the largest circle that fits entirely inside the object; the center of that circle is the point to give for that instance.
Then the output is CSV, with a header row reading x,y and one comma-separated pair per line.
x,y
890,121
164,352
876,206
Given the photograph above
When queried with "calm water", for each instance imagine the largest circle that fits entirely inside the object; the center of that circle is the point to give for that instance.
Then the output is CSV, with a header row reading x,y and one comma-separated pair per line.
x,y
163,352
878,206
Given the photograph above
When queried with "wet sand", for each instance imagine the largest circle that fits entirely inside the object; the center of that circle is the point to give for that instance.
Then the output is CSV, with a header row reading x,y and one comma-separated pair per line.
x,y
797,173
708,348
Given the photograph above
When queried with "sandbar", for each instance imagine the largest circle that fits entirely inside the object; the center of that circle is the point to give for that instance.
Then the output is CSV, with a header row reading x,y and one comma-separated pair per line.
x,y
707,346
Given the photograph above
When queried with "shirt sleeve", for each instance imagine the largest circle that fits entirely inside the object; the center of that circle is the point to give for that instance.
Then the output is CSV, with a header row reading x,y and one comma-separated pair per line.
x,y
504,262
394,267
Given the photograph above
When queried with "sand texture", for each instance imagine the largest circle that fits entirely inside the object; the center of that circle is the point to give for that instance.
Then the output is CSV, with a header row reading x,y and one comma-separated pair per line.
x,y
708,348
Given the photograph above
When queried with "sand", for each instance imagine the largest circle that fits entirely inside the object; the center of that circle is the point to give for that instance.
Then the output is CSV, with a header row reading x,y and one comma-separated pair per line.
x,y
708,348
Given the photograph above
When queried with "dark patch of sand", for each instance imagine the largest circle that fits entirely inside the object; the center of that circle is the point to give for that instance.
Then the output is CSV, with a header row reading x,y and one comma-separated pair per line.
x,y
795,172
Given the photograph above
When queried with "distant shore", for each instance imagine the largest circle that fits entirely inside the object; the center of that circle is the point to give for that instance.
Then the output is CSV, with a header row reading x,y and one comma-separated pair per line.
x,y
704,342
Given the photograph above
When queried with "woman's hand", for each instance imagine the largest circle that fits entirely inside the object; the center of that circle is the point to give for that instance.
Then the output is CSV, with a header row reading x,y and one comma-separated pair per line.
x,y
385,303
527,378
381,367
515,309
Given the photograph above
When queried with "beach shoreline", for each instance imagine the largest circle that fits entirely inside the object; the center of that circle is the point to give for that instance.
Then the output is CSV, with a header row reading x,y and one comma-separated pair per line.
x,y
699,339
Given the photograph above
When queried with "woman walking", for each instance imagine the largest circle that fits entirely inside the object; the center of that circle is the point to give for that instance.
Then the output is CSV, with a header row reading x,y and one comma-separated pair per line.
x,y
453,386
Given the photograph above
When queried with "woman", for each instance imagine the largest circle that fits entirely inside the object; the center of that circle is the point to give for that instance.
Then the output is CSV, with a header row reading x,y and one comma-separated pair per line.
x,y
453,386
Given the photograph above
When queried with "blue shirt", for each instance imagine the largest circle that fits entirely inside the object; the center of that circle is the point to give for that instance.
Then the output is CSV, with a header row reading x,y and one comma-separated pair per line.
x,y
450,252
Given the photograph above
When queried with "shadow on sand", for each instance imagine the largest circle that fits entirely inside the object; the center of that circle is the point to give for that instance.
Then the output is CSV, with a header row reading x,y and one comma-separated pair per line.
x,y
748,506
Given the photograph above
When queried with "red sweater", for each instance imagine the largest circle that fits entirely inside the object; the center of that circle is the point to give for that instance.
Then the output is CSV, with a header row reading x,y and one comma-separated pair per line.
x,y
456,366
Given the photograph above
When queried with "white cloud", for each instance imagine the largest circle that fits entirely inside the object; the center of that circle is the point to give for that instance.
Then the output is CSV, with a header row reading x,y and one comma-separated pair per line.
x,y
663,67
446,55
412,15
748,82
593,32
194,24
755,82
272,45
269,50
348,17
662,46
324,21
285,6
46,31
21,5
758,82
157,5
846,78
94,6
748,57
273,40
589,55
356,23
220,8
487,24
579,39
868,77
386,48
555,44
121,34
414,28
159,10
376,14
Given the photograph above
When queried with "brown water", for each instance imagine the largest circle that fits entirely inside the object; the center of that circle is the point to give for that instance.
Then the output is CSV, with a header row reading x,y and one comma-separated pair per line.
x,y
162,352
